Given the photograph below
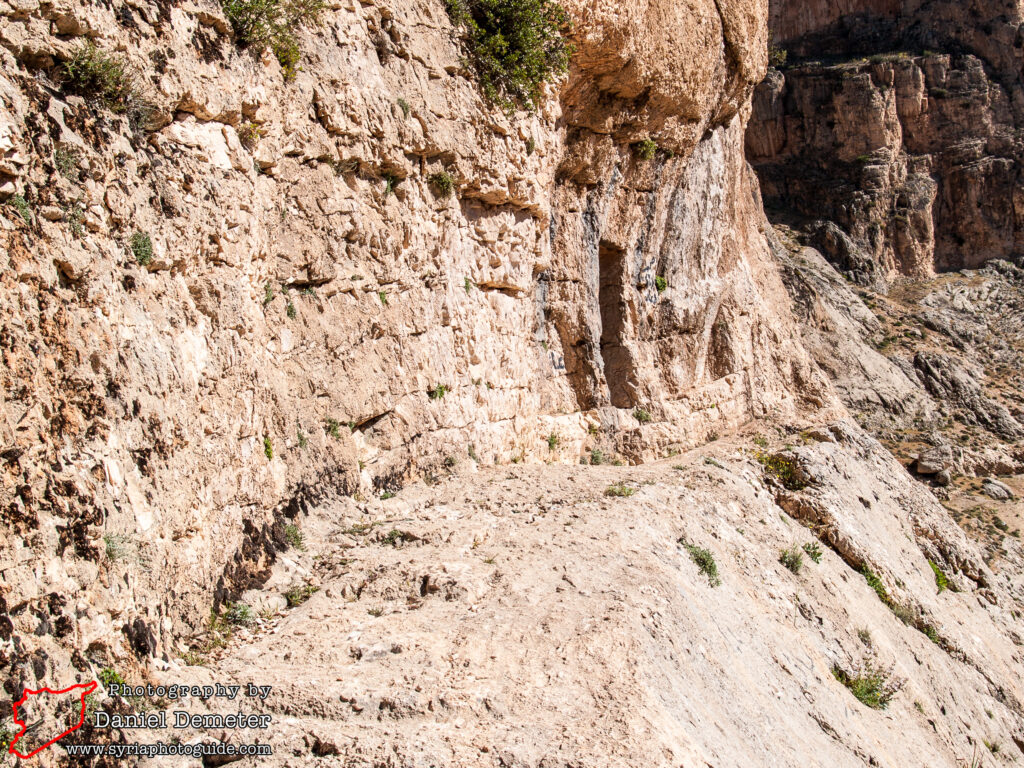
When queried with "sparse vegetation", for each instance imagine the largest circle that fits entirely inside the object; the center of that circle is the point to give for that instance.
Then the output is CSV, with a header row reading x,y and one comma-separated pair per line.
x,y
620,490
704,560
468,285
383,296
333,428
515,46
644,417
302,439
864,635
289,309
404,106
792,558
118,546
873,685
646,149
294,537
65,160
249,134
553,441
777,56
272,24
111,677
23,209
142,247
238,614
296,596
443,183
661,284
941,580
268,447
391,182
107,79
438,392
813,551
597,457
782,468
268,294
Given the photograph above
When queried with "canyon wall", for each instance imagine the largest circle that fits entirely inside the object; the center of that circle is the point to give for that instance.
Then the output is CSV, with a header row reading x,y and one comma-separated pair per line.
x,y
318,318
891,137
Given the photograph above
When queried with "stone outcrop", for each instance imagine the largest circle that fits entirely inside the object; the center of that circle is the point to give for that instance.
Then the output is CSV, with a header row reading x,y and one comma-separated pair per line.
x,y
894,144
318,318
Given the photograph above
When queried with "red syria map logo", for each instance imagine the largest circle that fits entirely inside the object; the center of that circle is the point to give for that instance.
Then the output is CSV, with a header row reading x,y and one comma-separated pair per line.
x,y
84,688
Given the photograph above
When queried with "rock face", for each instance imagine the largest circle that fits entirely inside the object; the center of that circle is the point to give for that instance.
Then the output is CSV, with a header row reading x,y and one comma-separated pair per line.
x,y
317,318
894,162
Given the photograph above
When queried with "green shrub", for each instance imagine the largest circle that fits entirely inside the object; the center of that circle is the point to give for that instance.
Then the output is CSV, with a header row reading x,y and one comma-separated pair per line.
x,y
646,149
117,547
597,457
644,417
391,182
516,46
876,584
294,537
941,580
273,24
111,677
65,160
268,448
783,469
249,134
777,56
792,558
106,78
438,392
704,560
142,247
553,441
661,284
383,296
333,428
20,204
469,286
620,490
404,106
813,551
443,183
238,614
289,309
302,439
296,596
872,685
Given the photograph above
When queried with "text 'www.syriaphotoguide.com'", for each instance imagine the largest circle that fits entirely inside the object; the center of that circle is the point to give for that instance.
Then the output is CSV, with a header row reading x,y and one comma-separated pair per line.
x,y
163,749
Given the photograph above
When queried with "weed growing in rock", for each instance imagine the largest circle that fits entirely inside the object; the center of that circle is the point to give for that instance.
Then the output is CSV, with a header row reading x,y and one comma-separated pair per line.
x,y
471,450
294,537
864,635
302,439
597,457
111,677
941,580
107,79
792,558
24,210
661,284
469,285
873,685
238,614
438,392
268,294
118,547
704,560
553,441
7,734
813,551
404,106
644,417
391,182
516,46
646,149
65,160
296,596
249,134
443,183
383,296
333,428
289,309
876,584
620,490
74,214
783,469
268,448
142,247
531,146
273,23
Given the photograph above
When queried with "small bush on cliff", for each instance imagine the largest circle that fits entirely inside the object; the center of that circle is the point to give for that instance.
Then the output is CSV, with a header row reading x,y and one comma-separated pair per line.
x,y
443,183
20,204
108,79
704,560
142,247
646,149
516,46
272,23
792,559
873,685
